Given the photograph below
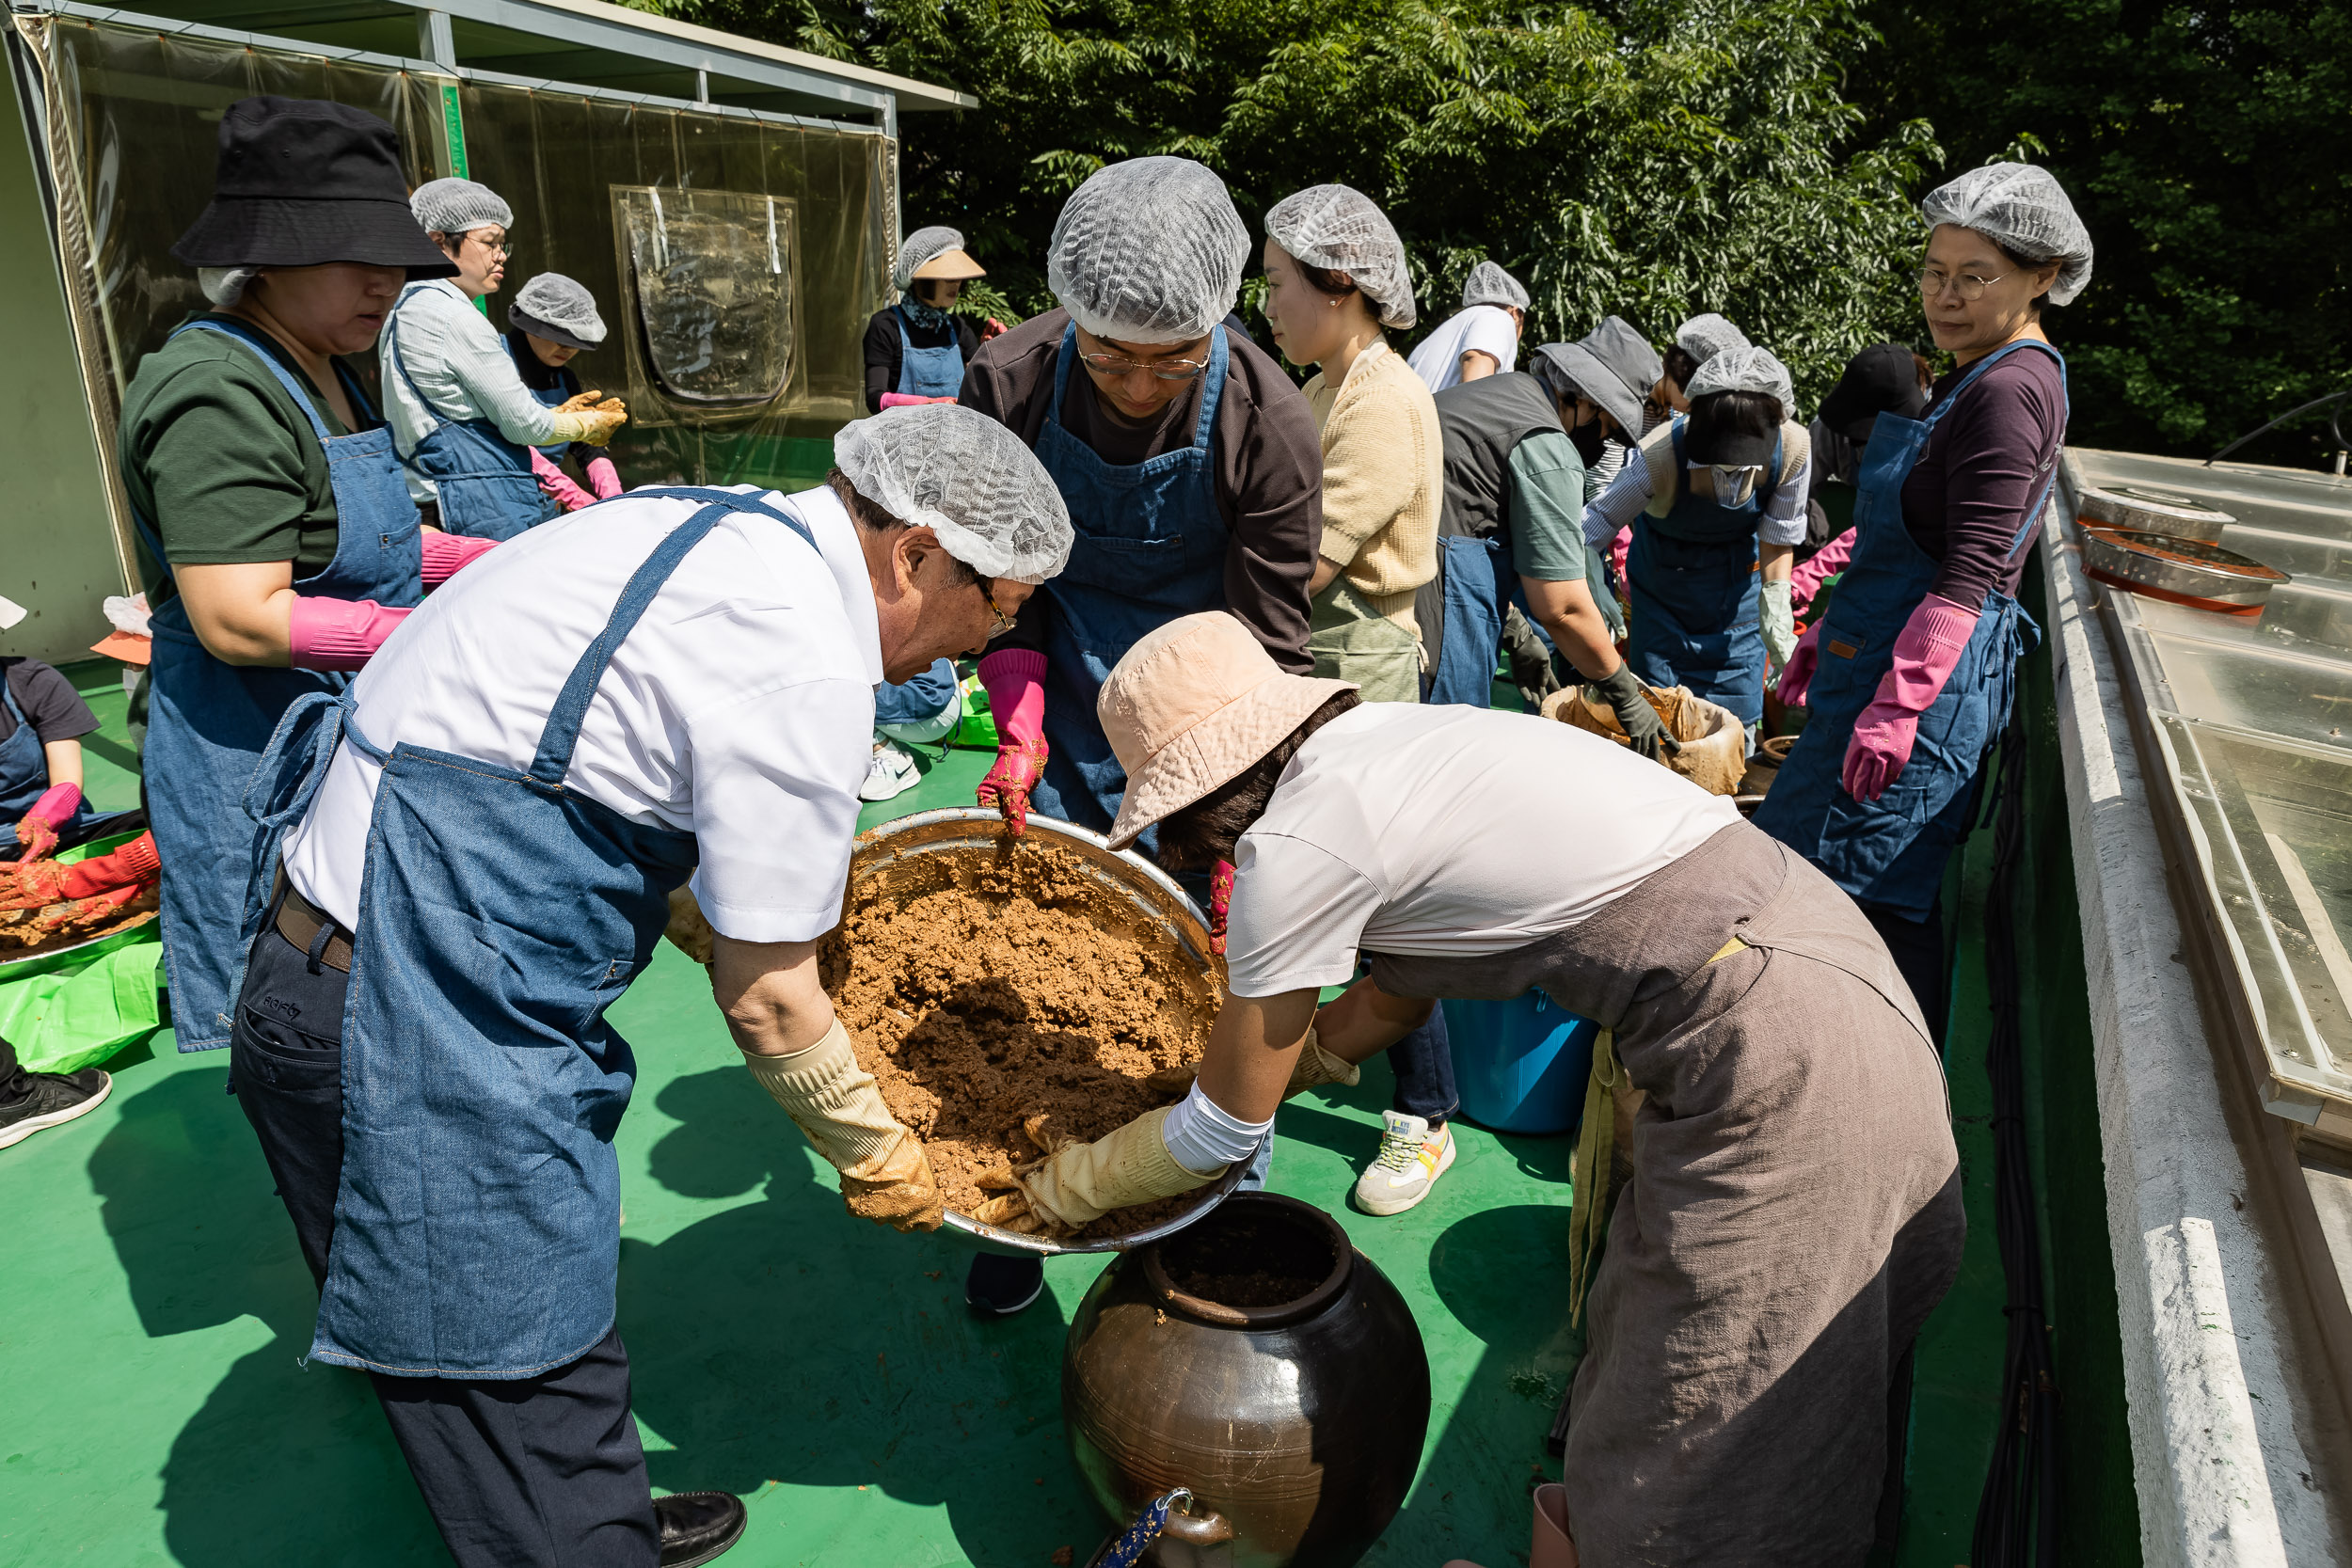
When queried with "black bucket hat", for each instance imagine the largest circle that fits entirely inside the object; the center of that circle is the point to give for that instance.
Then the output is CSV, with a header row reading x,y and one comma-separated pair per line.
x,y
302,183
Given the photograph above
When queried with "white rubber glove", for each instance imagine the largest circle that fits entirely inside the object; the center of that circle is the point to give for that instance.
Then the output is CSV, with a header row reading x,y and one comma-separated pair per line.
x,y
1774,609
837,1103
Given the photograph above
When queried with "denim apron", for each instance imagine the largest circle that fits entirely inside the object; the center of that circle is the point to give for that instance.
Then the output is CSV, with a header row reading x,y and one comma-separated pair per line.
x,y
1470,574
1891,852
477,1222
482,481
565,388
1692,576
207,721
928,372
1149,546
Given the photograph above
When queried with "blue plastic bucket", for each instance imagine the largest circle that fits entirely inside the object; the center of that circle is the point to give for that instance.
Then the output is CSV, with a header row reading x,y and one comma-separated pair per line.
x,y
1520,1065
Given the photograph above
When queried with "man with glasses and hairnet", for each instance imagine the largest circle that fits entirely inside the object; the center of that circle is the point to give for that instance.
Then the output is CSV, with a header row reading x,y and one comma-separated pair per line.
x,y
482,840
1193,474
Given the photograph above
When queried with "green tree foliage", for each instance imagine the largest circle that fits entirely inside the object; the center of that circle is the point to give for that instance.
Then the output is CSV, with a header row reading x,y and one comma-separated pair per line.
x,y
2209,147
1650,160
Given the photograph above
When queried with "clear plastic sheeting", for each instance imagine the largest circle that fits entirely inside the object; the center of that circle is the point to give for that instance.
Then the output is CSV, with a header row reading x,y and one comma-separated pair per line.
x,y
739,359
710,287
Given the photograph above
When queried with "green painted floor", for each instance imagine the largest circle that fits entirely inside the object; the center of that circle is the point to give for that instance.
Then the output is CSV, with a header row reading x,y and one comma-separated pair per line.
x,y
153,1407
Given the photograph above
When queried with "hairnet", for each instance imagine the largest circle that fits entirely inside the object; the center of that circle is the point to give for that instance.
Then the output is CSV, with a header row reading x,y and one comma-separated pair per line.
x,y
1344,229
1488,284
455,205
1744,368
920,247
960,473
2020,206
1704,337
553,300
1148,251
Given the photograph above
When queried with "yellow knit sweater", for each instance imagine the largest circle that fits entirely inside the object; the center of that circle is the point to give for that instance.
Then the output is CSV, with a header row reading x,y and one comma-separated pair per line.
x,y
1383,479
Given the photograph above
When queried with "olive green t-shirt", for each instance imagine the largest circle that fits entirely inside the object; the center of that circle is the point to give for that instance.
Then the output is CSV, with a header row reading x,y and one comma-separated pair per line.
x,y
219,460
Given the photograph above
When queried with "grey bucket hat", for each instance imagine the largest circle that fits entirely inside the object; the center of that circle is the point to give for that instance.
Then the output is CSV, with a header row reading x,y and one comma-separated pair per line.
x,y
1612,365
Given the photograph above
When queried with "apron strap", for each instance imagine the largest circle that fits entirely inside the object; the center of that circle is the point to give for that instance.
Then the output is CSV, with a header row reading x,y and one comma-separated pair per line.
x,y
286,378
1212,390
391,352
1062,363
562,734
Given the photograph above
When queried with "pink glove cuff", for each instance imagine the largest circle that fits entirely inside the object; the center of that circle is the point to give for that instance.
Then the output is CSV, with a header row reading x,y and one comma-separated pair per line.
x,y
1014,679
1926,654
1826,563
445,555
56,804
556,484
338,634
603,478
904,399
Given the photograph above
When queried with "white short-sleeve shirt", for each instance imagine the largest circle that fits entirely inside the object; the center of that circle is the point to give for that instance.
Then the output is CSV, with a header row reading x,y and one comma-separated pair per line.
x,y
1487,329
741,706
1446,829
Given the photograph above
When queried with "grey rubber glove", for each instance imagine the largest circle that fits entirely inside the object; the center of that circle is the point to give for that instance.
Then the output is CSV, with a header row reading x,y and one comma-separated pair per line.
x,y
1623,694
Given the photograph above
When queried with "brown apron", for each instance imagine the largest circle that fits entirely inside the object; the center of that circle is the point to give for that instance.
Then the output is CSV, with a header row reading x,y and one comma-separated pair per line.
x,y
1793,1213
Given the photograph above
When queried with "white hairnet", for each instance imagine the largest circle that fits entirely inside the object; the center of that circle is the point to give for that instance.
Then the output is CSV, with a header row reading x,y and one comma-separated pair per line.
x,y
455,205
960,473
1148,251
2020,206
1704,337
1344,229
1488,284
1744,368
224,286
920,247
558,309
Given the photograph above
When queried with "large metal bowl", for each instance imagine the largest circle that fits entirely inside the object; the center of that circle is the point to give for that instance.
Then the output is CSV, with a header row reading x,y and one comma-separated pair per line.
x,y
2132,506
2183,570
896,853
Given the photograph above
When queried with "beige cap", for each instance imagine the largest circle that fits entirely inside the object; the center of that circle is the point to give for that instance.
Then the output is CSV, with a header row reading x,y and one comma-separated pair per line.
x,y
950,263
1190,706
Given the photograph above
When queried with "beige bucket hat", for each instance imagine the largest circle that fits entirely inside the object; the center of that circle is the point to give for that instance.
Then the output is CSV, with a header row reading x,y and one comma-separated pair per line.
x,y
1190,706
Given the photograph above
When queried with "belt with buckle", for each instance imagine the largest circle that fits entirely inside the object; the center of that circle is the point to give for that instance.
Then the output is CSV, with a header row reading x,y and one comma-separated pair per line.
x,y
305,924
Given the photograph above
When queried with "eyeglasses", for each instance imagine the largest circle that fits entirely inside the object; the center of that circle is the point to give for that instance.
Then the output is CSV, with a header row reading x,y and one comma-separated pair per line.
x,y
999,622
1162,370
495,247
1968,285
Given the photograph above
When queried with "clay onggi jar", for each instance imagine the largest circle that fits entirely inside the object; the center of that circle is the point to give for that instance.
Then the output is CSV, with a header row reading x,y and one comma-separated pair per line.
x,y
1298,1421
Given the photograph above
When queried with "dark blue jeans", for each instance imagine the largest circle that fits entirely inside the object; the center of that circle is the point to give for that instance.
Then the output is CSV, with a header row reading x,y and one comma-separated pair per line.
x,y
1423,1064
914,701
540,1472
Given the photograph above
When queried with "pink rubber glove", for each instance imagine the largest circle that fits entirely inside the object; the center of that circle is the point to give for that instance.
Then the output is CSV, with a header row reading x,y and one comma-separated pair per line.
x,y
1924,654
37,834
1617,547
338,634
447,554
902,400
1014,679
1220,905
556,484
27,886
603,478
1826,563
1796,676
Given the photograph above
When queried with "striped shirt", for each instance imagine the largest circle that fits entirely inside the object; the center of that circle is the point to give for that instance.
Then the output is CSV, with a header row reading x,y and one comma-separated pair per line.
x,y
458,360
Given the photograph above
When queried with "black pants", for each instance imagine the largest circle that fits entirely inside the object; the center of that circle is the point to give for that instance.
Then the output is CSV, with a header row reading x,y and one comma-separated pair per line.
x,y
1917,948
539,1471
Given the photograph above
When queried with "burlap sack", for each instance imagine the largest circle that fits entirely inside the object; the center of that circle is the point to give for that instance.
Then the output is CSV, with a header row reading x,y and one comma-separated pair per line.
x,y
1714,752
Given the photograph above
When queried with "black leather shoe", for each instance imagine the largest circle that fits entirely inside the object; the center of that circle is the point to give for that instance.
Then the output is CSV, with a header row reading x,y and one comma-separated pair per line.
x,y
998,1286
697,1526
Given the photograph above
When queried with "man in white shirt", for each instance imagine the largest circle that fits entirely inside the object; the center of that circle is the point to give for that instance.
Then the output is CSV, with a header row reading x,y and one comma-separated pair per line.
x,y
462,419
1480,339
481,843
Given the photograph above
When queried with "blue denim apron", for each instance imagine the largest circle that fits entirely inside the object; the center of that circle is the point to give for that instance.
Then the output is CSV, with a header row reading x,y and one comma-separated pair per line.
x,y
477,1223
1692,576
928,372
565,388
482,481
1891,852
207,721
1471,571
1149,546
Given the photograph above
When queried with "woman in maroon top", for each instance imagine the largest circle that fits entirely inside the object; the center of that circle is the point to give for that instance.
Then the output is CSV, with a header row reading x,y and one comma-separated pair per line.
x,y
1909,675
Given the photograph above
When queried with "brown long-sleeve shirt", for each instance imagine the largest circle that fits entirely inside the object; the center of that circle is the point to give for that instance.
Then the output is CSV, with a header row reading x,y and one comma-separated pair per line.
x,y
1269,459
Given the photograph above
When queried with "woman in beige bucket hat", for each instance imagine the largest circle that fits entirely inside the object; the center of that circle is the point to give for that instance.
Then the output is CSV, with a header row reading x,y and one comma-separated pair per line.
x,y
1793,1211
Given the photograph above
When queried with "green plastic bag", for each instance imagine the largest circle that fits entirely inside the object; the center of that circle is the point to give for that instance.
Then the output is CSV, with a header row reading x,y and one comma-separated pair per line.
x,y
68,1010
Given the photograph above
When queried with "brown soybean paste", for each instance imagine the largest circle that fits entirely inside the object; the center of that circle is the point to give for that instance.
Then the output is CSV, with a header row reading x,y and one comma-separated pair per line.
x,y
1012,988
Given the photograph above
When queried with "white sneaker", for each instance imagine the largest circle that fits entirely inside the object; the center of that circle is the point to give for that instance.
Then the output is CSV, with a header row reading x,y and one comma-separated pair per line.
x,y
1410,1161
891,773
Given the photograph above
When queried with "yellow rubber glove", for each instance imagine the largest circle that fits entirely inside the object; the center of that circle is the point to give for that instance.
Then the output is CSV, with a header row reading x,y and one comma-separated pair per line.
x,y
577,402
592,425
1085,1181
838,1105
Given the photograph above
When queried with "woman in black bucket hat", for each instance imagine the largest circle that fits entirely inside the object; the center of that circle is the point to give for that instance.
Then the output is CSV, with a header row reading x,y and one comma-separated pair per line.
x,y
285,550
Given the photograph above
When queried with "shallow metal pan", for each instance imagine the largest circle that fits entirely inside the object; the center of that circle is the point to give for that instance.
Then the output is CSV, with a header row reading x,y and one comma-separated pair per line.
x,y
2183,571
2147,511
